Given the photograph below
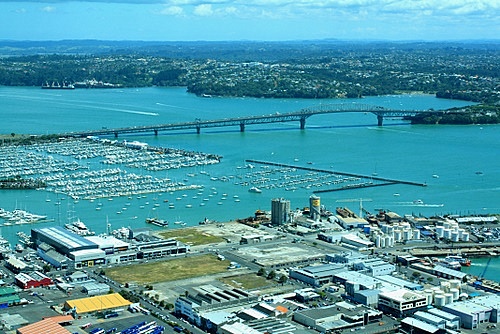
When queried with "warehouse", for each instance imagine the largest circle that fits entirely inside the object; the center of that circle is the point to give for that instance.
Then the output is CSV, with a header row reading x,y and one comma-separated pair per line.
x,y
61,239
49,325
316,275
8,297
97,303
32,280
401,302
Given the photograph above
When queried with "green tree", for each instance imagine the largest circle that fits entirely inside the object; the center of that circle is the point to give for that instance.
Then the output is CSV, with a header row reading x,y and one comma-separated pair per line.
x,y
46,268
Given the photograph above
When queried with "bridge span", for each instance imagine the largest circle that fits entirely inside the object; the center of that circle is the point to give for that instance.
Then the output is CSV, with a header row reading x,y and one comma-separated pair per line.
x,y
301,116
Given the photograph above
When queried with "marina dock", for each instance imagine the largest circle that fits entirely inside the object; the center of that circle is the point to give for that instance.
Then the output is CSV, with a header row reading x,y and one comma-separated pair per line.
x,y
368,183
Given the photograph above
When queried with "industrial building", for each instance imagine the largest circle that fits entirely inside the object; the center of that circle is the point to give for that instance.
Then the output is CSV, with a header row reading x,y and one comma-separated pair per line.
x,y
452,320
95,289
374,267
8,297
401,302
16,265
52,325
62,248
61,239
337,317
476,311
255,238
357,281
316,275
416,326
430,319
346,257
32,280
82,252
400,282
208,298
355,242
96,303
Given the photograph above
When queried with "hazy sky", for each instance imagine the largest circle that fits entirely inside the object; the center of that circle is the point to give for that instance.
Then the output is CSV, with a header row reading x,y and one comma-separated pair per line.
x,y
271,20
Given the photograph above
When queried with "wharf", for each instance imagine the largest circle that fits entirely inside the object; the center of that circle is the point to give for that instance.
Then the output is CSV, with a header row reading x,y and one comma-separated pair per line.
x,y
360,185
464,251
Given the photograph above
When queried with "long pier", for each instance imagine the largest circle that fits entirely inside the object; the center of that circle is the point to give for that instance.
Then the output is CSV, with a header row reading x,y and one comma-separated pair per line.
x,y
301,116
387,181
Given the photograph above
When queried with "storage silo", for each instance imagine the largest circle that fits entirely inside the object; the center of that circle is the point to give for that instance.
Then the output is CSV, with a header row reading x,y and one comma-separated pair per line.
x,y
445,286
439,300
454,236
440,231
448,298
461,232
398,235
437,290
446,225
280,211
377,241
455,284
429,295
416,234
315,207
447,233
465,236
390,230
456,293
389,241
407,234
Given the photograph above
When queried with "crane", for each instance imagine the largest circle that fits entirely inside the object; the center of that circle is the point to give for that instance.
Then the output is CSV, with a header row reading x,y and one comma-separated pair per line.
x,y
360,200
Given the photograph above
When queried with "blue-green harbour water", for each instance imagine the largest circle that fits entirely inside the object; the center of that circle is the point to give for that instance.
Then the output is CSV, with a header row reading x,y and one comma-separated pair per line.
x,y
447,158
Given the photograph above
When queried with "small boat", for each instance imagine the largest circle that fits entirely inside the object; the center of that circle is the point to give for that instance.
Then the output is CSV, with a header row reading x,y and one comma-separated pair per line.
x,y
418,201
255,190
435,176
157,222
79,228
462,260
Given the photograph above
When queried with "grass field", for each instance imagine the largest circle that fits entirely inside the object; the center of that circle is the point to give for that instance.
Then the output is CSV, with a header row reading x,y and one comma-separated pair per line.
x,y
170,270
247,281
192,236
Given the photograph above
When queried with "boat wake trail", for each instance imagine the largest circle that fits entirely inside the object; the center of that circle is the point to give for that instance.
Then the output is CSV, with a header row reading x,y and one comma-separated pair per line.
x,y
421,205
172,106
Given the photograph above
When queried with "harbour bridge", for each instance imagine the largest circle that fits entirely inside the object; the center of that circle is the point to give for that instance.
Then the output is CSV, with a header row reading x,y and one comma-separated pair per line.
x,y
301,116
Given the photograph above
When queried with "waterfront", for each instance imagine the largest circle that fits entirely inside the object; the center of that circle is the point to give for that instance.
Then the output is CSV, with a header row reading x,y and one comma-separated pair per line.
x,y
459,164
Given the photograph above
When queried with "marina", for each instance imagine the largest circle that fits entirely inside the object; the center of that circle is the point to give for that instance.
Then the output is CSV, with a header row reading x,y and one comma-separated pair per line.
x,y
121,182
322,177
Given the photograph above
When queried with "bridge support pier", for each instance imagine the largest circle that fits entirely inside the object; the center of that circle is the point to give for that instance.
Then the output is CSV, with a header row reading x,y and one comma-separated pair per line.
x,y
156,132
198,130
242,127
116,134
380,120
302,123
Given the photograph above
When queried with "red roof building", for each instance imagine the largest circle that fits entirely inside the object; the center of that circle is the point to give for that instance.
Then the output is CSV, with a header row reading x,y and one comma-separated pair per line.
x,y
32,280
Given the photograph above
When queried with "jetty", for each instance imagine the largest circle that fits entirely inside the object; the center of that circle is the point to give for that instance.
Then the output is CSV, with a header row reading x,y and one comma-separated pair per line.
x,y
369,183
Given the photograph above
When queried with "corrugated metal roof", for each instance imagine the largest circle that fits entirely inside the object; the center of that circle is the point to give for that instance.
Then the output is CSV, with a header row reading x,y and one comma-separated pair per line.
x,y
68,239
97,303
47,326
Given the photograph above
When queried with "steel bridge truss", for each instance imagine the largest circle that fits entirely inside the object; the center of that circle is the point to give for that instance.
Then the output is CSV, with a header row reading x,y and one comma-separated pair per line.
x,y
301,116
